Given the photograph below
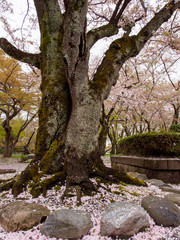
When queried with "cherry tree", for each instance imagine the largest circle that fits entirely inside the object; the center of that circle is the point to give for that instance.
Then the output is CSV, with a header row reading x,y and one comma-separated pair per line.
x,y
69,114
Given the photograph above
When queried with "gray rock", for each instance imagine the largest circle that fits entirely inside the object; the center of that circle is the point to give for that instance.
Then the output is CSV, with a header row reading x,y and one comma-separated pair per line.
x,y
21,215
162,211
169,189
67,224
123,219
175,198
156,182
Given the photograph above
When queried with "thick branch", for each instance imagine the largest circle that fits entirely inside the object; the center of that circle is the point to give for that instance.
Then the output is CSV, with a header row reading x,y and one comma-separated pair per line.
x,y
39,4
124,48
53,16
162,16
108,72
94,35
32,59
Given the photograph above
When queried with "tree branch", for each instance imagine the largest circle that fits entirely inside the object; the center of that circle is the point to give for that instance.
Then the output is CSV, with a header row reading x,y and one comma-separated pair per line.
x,y
119,14
39,5
162,16
32,59
122,49
94,35
25,124
115,11
169,77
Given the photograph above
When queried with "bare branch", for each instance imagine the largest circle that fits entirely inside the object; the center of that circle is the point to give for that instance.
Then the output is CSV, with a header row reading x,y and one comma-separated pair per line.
x,y
25,16
162,16
96,34
126,2
169,77
115,11
143,6
32,59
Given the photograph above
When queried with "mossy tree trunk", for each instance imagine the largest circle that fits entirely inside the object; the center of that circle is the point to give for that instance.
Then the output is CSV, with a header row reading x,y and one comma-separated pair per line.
x,y
69,114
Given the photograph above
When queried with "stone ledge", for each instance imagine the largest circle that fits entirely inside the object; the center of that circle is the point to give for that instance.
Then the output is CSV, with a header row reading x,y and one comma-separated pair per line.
x,y
149,163
166,169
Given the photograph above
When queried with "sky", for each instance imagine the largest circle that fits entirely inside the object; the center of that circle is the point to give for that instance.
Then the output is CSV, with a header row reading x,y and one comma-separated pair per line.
x,y
20,10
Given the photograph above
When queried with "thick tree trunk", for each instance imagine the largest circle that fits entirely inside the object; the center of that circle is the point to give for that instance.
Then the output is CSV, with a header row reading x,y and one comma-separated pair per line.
x,y
82,139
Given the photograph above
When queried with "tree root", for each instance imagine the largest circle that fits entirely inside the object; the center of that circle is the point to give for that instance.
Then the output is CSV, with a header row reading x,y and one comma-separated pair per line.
x,y
41,187
86,187
114,175
33,179
6,185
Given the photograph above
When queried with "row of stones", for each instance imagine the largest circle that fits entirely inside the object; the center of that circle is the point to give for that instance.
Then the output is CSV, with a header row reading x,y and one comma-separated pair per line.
x,y
122,219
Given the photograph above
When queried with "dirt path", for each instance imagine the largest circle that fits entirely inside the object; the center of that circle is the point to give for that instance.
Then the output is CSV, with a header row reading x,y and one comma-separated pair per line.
x,y
11,163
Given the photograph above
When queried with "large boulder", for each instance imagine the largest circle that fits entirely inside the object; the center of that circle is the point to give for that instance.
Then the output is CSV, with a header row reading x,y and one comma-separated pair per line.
x,y
163,211
123,219
67,224
21,215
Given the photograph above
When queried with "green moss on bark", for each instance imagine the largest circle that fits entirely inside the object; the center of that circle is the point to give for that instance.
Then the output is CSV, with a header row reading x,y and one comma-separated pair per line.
x,y
42,186
53,160
117,54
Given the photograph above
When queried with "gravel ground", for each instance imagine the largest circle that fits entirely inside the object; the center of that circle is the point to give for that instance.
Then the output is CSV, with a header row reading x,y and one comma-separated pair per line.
x,y
11,163
95,205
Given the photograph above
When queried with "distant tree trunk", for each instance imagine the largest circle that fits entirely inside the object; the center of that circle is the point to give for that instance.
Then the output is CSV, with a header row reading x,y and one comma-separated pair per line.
x,y
176,114
8,139
26,150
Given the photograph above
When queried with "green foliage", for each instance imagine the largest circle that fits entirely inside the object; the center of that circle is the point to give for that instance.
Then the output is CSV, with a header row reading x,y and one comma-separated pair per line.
x,y
165,144
175,128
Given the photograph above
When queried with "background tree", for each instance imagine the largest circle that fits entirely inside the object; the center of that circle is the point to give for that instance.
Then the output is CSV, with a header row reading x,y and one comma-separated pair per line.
x,y
17,95
146,92
69,114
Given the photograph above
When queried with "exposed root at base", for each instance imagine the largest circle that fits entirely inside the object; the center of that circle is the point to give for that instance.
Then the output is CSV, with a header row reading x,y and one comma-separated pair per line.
x,y
33,179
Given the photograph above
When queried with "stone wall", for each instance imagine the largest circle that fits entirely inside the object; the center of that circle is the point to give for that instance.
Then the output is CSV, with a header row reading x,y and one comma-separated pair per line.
x,y
166,169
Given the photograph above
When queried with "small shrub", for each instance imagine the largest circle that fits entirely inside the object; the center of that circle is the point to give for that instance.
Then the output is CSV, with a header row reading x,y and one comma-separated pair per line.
x,y
166,144
175,128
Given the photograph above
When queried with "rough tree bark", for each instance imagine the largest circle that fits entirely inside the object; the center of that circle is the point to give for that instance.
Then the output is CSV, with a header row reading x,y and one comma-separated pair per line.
x,y
69,115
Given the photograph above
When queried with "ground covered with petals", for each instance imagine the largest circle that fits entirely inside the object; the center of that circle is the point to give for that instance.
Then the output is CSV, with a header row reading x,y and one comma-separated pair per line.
x,y
95,205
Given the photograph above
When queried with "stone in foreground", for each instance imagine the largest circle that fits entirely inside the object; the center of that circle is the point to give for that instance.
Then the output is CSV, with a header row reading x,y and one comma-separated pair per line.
x,y
169,189
67,224
163,211
123,219
175,198
21,215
